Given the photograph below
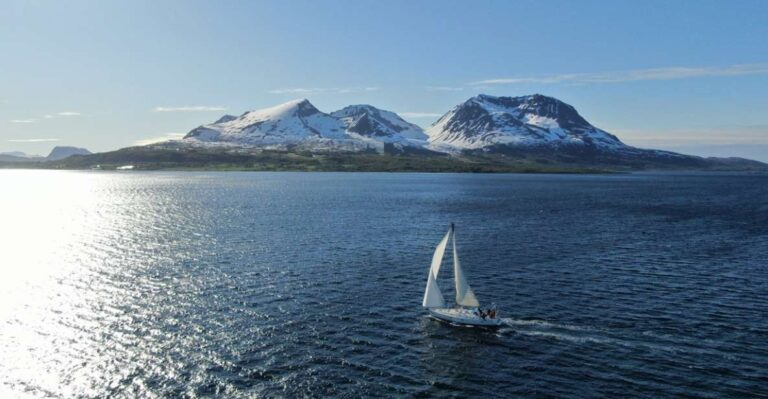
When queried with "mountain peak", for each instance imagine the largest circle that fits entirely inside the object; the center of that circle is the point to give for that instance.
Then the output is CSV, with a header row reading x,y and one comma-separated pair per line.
x,y
283,124
483,97
526,99
531,120
367,120
356,108
225,118
533,105
301,107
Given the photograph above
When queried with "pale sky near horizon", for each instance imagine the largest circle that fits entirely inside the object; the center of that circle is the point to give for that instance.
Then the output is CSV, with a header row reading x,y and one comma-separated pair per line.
x,y
687,76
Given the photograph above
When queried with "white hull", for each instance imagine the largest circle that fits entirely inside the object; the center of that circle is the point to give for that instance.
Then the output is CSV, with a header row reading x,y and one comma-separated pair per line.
x,y
463,316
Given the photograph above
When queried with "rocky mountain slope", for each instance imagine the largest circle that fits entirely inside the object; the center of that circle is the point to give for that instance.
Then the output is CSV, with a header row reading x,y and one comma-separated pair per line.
x,y
369,121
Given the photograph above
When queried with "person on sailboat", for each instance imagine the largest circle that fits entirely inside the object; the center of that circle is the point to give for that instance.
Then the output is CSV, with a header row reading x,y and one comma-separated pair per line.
x,y
492,311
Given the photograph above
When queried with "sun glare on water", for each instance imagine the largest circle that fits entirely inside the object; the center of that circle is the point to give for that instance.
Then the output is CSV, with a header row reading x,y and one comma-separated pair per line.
x,y
52,226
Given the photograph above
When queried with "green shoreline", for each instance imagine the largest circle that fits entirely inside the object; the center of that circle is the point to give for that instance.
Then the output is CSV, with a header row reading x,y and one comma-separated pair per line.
x,y
223,167
144,158
302,162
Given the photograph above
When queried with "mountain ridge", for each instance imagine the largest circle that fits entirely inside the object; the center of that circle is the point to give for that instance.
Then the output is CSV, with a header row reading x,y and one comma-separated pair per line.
x,y
483,133
525,127
57,153
298,123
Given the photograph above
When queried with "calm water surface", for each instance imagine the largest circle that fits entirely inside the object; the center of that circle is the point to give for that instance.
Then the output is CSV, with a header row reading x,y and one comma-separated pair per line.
x,y
309,285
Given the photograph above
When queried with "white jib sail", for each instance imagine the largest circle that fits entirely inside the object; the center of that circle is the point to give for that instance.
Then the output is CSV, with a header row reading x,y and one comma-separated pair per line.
x,y
433,298
464,294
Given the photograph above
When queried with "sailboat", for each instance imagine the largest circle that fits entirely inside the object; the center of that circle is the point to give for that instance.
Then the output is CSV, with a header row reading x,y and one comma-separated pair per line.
x,y
467,309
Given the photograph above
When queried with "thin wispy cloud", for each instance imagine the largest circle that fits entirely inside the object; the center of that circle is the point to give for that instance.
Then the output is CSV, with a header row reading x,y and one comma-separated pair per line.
x,y
31,140
196,108
420,114
355,89
65,113
298,90
22,121
669,73
444,88
317,90
159,138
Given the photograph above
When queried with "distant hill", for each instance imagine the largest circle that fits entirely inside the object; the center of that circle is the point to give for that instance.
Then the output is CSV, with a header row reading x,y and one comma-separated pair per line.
x,y
18,156
61,152
58,153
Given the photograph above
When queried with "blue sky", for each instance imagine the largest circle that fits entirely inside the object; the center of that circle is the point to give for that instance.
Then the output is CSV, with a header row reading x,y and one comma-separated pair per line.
x,y
689,76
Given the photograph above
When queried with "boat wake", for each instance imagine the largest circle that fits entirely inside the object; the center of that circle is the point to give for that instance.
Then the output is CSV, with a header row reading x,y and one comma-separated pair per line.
x,y
564,332
594,335
545,324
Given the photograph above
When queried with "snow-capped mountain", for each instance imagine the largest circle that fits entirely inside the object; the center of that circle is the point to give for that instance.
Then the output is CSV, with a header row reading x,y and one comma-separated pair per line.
x,y
370,121
482,122
287,123
528,125
298,124
529,121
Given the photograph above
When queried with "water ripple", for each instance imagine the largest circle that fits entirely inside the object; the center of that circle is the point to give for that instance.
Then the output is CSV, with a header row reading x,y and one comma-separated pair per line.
x,y
308,285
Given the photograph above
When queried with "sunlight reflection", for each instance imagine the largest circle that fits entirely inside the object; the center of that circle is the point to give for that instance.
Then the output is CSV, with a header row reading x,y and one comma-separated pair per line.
x,y
51,229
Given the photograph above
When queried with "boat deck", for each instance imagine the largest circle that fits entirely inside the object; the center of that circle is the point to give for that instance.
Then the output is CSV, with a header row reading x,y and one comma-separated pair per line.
x,y
463,316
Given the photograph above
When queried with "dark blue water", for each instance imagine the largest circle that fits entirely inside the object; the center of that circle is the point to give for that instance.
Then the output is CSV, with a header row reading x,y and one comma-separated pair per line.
x,y
310,285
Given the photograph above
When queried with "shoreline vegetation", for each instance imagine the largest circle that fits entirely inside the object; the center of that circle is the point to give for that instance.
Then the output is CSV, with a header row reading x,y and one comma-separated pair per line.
x,y
159,158
291,162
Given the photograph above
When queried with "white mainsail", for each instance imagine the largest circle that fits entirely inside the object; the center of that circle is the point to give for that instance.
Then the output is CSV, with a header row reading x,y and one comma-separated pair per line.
x,y
433,298
464,294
